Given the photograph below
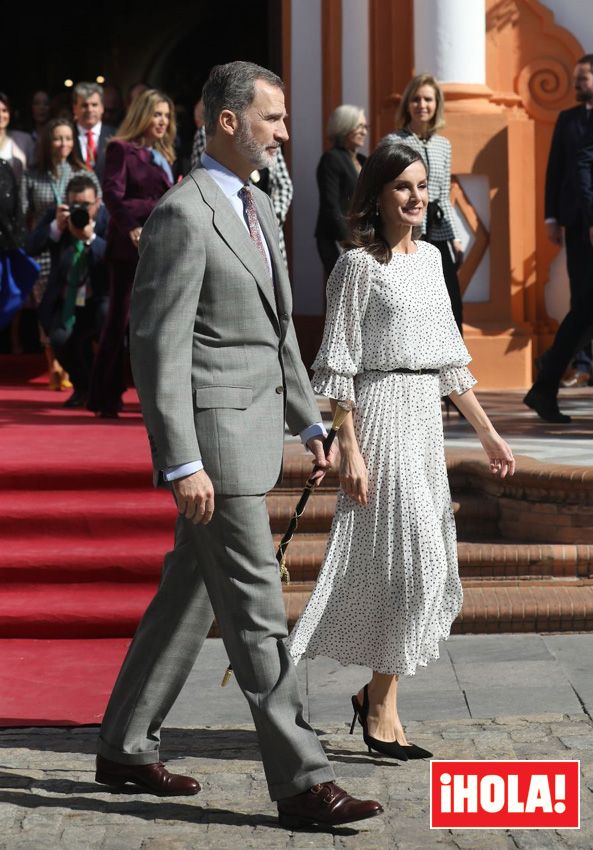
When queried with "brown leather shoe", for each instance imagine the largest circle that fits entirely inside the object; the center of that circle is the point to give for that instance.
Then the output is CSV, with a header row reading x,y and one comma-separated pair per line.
x,y
152,777
326,805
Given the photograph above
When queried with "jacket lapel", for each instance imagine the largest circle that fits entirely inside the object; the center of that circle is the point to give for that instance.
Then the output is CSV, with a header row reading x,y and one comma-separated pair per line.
x,y
236,236
269,227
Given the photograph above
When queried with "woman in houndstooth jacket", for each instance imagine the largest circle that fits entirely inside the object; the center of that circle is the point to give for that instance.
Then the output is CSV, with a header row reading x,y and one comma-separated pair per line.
x,y
419,116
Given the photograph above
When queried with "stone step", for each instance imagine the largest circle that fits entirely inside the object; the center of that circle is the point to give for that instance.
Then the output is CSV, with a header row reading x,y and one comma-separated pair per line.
x,y
478,561
508,607
488,561
542,503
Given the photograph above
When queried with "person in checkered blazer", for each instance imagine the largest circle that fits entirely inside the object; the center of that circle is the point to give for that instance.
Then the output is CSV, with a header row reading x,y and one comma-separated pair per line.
x,y
419,115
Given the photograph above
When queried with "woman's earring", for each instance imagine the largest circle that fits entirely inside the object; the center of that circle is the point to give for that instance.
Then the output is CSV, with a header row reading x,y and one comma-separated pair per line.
x,y
377,210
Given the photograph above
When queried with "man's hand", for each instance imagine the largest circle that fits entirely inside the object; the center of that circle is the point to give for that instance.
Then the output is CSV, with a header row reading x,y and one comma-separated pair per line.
x,y
135,236
554,232
194,496
62,216
458,252
315,445
82,233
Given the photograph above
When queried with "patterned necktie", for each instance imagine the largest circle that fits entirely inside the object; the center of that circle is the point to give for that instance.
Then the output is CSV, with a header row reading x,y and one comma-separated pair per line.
x,y
78,271
91,149
252,223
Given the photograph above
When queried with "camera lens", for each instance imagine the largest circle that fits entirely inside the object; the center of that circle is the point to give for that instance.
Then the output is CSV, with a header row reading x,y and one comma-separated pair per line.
x,y
79,216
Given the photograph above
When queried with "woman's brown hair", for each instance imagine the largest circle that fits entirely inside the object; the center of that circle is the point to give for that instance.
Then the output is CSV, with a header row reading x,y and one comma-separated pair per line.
x,y
387,162
45,162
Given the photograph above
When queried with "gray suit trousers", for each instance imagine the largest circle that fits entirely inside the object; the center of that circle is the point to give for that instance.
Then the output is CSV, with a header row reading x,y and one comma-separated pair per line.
x,y
228,567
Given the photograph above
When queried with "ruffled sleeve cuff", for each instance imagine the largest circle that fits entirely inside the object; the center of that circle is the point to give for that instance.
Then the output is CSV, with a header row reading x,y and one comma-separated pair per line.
x,y
455,379
333,385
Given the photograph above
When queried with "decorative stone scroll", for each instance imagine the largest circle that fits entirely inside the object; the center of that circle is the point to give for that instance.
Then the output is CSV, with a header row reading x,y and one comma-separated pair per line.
x,y
545,85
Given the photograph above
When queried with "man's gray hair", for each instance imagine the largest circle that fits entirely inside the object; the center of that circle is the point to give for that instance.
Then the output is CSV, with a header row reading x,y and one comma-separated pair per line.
x,y
232,86
342,121
86,90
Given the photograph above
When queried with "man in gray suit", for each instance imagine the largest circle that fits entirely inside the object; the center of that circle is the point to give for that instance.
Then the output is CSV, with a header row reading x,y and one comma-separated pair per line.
x,y
217,367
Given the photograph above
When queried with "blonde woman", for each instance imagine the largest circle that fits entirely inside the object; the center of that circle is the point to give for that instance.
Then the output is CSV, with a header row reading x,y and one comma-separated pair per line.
x,y
137,173
337,174
419,116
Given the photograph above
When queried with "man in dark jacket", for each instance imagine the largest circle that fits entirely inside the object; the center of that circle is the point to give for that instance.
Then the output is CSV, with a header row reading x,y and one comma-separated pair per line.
x,y
74,306
564,210
92,134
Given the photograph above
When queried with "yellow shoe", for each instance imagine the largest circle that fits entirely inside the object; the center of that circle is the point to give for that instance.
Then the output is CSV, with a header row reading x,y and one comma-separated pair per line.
x,y
54,382
59,379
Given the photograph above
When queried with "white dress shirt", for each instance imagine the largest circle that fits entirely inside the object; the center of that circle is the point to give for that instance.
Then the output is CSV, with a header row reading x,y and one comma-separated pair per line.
x,y
231,184
96,131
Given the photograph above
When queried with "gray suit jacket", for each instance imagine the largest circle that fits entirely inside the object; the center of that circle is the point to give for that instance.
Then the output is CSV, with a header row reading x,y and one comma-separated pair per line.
x,y
214,353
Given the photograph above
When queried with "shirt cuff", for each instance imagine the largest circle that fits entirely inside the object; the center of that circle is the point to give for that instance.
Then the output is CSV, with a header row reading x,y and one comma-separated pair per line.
x,y
172,473
315,430
54,231
550,221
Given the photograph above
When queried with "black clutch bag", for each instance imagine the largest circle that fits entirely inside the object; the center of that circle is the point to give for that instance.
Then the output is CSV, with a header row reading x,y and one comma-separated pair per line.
x,y
434,216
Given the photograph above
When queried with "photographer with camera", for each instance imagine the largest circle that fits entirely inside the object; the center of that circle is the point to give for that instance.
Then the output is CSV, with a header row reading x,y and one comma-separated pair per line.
x,y
74,306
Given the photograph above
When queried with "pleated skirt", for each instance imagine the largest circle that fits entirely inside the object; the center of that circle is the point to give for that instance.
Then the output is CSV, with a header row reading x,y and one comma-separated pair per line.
x,y
389,588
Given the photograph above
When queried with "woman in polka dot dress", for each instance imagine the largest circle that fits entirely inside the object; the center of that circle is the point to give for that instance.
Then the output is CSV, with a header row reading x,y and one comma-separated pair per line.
x,y
389,589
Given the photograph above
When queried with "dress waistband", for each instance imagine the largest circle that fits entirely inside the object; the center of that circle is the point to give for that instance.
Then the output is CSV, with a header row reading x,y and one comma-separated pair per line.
x,y
403,371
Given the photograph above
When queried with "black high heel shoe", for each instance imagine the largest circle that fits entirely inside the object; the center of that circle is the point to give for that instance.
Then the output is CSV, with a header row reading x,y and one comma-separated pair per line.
x,y
403,752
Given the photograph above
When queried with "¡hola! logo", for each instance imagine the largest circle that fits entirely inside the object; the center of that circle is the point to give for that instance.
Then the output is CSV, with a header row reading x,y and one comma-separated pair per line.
x,y
504,794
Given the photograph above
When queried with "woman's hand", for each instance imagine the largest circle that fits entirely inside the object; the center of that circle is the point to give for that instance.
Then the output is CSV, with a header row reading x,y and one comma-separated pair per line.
x,y
458,252
500,456
353,476
135,236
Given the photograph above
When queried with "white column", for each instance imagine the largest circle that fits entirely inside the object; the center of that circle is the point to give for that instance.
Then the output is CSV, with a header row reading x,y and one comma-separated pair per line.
x,y
306,84
450,40
355,54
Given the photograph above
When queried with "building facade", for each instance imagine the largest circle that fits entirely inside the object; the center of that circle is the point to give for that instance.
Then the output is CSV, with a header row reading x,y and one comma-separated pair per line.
x,y
506,69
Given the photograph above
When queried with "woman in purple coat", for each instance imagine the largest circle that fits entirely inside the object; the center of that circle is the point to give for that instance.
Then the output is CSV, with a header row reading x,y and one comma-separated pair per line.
x,y
137,173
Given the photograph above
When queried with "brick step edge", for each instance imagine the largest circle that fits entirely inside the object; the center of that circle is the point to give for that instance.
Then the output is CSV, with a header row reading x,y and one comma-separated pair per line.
x,y
524,608
487,559
509,608
86,560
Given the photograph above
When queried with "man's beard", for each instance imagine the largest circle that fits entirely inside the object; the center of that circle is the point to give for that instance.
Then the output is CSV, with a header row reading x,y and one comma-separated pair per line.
x,y
584,96
256,153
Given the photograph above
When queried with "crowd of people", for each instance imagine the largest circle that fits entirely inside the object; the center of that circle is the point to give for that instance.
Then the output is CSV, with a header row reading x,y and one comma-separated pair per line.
x,y
131,151
131,154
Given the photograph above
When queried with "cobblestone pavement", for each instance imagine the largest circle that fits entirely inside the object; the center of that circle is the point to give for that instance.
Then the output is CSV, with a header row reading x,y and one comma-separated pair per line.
x,y
49,799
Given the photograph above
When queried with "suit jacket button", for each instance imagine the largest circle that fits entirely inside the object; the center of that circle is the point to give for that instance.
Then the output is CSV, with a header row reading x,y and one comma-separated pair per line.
x,y
279,390
284,317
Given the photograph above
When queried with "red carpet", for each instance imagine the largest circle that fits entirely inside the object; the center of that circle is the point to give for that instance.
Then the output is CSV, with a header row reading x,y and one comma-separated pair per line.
x,y
83,534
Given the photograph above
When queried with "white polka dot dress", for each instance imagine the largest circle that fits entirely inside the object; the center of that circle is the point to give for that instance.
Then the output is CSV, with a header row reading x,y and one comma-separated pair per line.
x,y
389,589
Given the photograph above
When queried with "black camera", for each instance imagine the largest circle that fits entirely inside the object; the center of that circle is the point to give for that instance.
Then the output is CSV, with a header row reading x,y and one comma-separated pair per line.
x,y
79,215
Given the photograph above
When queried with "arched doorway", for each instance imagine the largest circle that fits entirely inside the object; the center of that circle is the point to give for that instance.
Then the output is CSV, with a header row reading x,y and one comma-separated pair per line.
x,y
172,47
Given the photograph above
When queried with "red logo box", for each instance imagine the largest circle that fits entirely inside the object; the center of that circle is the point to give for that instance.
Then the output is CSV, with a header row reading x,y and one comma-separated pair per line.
x,y
501,794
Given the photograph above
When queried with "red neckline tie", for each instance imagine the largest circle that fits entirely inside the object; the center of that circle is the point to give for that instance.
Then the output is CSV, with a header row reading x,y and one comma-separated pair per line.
x,y
91,149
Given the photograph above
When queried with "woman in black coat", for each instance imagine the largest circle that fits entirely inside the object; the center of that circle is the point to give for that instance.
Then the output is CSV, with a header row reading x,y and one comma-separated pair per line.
x,y
337,174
